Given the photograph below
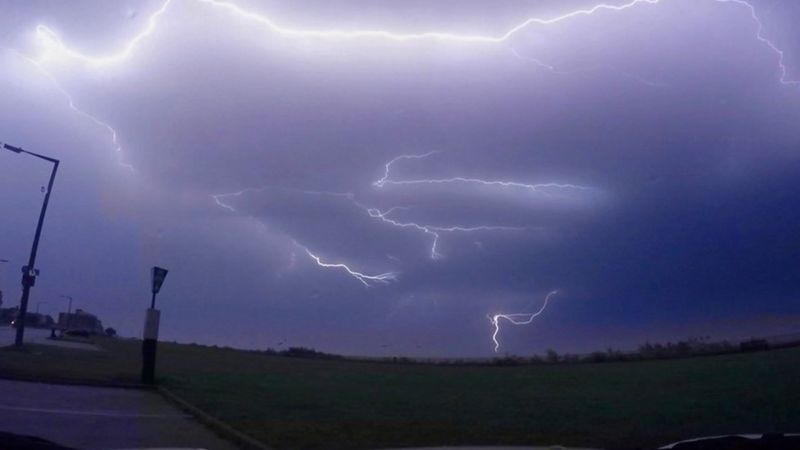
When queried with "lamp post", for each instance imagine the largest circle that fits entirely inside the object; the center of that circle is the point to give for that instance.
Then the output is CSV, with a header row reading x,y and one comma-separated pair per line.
x,y
2,261
29,272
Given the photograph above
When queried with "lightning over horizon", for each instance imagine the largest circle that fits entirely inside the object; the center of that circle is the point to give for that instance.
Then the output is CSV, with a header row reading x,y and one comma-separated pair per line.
x,y
516,319
316,164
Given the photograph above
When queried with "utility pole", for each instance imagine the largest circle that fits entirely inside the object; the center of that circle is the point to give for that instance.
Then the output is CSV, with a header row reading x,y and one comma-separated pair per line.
x,y
29,272
2,261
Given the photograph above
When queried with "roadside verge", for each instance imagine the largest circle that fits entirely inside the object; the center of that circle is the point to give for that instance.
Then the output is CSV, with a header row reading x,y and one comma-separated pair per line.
x,y
222,429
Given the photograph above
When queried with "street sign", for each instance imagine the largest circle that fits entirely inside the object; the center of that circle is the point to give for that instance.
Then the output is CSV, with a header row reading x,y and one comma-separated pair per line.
x,y
150,337
29,276
158,278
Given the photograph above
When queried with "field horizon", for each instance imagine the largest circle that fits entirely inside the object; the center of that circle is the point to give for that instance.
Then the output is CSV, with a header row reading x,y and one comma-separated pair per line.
x,y
297,402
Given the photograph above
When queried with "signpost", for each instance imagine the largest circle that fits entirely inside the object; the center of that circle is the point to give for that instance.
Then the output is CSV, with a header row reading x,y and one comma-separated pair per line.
x,y
158,276
150,337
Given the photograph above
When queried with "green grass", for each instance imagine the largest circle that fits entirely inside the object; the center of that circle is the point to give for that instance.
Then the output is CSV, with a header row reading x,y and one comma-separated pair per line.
x,y
297,403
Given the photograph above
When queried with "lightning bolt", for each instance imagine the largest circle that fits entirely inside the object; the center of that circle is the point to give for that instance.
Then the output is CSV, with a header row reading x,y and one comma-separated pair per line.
x,y
375,213
516,319
366,280
539,187
218,197
784,71
72,106
594,68
432,230
55,47
388,166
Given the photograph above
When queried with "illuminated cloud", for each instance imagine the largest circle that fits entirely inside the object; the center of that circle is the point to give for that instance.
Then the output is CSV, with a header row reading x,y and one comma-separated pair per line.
x,y
599,155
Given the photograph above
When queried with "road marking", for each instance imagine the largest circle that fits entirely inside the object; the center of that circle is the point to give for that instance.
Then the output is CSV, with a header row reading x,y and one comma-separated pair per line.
x,y
93,413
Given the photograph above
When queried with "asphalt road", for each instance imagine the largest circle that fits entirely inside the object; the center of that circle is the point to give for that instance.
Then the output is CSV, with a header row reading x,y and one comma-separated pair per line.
x,y
39,336
34,335
100,418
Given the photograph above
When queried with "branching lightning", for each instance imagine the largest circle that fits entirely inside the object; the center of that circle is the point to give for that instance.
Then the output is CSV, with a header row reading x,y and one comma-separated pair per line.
x,y
538,187
388,166
72,106
218,197
516,319
784,78
434,231
366,280
54,50
55,47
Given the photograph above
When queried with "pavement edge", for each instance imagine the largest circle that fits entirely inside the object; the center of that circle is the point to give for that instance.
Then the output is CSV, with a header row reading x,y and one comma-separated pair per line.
x,y
221,428
72,382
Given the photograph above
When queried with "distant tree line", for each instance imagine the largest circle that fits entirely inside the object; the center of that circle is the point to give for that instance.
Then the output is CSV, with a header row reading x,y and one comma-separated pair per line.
x,y
651,351
302,352
648,351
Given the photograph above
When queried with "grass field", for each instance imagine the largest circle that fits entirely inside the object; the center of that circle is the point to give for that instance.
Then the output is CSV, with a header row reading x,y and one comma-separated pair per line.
x,y
306,403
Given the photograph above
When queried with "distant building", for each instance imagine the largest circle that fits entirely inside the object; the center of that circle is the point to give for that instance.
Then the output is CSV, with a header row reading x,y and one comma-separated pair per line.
x,y
80,320
36,320
43,320
7,315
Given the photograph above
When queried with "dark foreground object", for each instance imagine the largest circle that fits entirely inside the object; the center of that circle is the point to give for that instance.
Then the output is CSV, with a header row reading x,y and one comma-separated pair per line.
x,y
766,442
94,418
149,361
11,441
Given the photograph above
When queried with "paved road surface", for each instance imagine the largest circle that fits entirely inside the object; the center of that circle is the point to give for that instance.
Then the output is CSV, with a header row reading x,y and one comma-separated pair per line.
x,y
39,336
100,418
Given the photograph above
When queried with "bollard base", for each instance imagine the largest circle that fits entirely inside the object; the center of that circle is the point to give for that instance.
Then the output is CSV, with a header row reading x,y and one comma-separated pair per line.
x,y
149,361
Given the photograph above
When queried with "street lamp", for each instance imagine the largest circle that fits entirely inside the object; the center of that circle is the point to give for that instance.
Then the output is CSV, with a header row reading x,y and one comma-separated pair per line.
x,y
2,261
29,272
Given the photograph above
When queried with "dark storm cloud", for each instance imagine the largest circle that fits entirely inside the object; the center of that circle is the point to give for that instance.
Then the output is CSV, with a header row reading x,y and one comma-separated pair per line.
x,y
671,115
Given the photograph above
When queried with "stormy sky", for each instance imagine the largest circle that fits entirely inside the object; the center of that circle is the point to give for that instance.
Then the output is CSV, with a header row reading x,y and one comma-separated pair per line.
x,y
383,192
